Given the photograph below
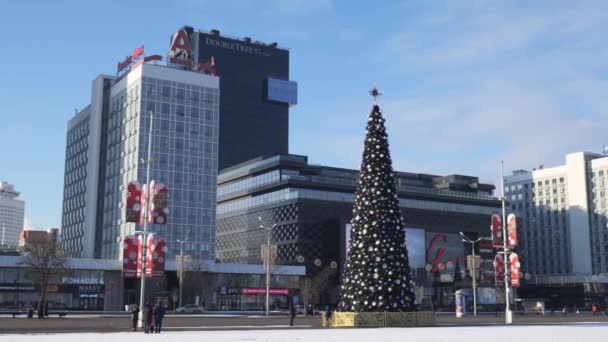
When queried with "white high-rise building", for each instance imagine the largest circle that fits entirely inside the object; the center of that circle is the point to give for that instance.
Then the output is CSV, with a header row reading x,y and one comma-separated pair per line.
x,y
11,215
563,214
106,142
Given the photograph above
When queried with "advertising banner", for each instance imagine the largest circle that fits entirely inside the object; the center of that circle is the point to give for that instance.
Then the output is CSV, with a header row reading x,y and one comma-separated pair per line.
x,y
155,258
133,207
130,256
515,265
158,205
499,267
512,230
496,228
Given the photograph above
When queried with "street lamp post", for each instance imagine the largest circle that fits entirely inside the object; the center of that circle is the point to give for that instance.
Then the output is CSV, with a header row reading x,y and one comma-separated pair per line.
x,y
474,271
505,248
181,268
268,257
148,162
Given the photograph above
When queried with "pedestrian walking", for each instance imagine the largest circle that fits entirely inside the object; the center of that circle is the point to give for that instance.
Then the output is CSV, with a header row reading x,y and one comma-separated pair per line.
x,y
594,309
46,309
327,315
40,310
147,318
292,311
134,315
565,311
159,314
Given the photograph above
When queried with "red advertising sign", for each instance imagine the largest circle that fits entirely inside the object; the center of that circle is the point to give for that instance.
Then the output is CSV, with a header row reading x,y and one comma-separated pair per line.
x,y
143,199
155,260
133,208
515,265
512,230
140,250
499,269
129,59
496,229
207,67
262,291
181,50
130,256
159,203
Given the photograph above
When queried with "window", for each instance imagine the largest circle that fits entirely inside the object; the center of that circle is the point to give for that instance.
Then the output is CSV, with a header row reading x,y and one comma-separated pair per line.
x,y
166,92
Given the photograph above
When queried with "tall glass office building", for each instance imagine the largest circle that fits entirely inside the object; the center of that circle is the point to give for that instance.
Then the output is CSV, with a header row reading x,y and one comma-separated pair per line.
x,y
107,142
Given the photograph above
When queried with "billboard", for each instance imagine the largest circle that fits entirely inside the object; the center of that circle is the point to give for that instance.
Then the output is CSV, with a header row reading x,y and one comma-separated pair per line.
x,y
414,242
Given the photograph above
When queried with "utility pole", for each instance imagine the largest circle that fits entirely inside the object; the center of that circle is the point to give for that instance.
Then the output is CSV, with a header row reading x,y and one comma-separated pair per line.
x,y
268,260
181,268
148,162
474,270
505,248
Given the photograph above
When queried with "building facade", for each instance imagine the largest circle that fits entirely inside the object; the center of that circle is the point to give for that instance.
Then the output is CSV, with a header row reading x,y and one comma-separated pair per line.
x,y
12,210
563,216
97,284
256,91
107,141
312,207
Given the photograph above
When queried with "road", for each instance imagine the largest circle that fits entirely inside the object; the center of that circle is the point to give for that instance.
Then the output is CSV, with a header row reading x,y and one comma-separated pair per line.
x,y
109,323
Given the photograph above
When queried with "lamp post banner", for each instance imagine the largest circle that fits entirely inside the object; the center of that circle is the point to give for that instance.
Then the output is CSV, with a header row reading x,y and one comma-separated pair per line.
x,y
130,257
133,207
515,265
512,230
499,270
496,229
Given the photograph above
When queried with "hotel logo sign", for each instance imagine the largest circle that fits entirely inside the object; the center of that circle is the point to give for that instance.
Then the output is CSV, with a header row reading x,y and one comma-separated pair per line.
x,y
181,49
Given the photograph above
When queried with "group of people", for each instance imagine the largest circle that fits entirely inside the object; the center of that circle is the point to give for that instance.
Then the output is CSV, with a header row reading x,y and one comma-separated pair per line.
x,y
152,317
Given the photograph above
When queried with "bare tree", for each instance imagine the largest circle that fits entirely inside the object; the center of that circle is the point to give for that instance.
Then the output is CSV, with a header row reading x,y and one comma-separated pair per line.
x,y
45,263
314,286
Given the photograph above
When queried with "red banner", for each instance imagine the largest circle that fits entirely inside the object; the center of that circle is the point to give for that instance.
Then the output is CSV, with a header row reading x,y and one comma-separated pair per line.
x,y
514,261
496,229
512,230
262,291
159,203
155,258
499,270
130,257
133,208
140,250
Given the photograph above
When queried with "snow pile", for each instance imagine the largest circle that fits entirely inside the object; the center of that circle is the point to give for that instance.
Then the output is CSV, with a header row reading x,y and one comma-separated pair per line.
x,y
555,333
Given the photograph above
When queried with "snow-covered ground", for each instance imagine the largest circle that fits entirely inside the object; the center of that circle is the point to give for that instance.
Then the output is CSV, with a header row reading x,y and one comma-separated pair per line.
x,y
555,333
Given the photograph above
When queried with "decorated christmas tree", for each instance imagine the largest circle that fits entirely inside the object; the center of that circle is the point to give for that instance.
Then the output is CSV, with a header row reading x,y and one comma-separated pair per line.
x,y
376,275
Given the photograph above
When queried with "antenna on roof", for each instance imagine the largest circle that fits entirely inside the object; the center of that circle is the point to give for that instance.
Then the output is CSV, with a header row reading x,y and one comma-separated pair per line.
x,y
75,111
605,150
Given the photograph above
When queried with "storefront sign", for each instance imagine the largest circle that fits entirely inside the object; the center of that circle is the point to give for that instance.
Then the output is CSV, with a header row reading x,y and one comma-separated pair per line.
x,y
236,47
82,280
261,290
17,288
129,59
91,288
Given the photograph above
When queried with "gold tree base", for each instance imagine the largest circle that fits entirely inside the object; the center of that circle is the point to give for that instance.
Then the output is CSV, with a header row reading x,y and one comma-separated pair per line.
x,y
380,319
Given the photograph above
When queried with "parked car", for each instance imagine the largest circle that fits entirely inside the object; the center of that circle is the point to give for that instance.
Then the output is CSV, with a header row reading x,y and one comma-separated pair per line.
x,y
190,308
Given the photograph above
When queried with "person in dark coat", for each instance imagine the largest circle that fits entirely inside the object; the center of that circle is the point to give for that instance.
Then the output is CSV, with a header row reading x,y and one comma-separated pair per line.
x,y
293,312
46,309
159,314
152,321
40,310
134,315
147,318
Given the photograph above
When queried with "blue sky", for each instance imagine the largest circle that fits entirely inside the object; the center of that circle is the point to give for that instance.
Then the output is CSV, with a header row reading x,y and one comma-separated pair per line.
x,y
465,83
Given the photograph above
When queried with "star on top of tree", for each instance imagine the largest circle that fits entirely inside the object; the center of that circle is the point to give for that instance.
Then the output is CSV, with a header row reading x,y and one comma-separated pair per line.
x,y
375,93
